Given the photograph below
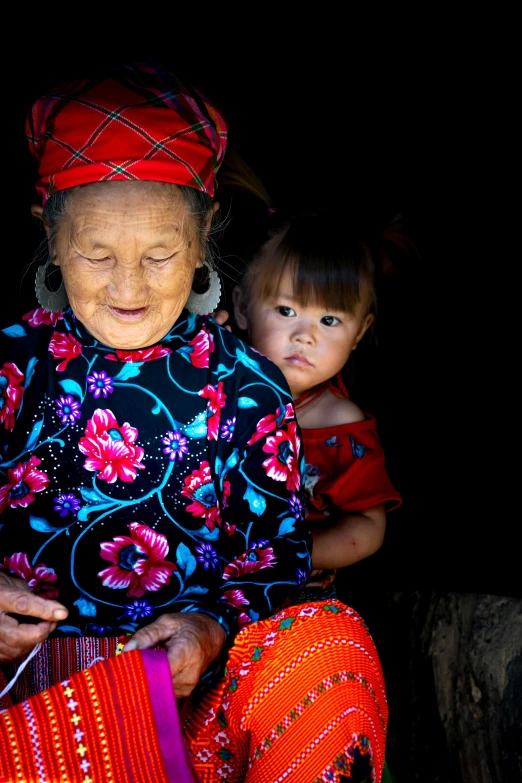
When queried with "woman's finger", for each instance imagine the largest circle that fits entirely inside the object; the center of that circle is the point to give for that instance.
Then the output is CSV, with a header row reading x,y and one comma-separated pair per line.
x,y
182,654
21,601
16,639
10,654
152,635
184,683
193,640
187,664
25,635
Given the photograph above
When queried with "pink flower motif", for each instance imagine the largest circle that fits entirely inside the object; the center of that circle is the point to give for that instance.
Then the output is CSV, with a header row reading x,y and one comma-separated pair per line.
x,y
202,347
199,487
243,619
39,578
42,316
11,393
252,560
24,480
110,448
216,400
284,464
142,355
269,423
138,561
66,347
237,598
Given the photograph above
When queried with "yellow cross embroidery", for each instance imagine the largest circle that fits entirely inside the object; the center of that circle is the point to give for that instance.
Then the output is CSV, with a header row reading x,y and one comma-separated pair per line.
x,y
69,692
82,750
75,719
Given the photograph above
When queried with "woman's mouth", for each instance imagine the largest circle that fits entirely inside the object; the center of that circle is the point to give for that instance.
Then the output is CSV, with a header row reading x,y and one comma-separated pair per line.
x,y
298,360
125,314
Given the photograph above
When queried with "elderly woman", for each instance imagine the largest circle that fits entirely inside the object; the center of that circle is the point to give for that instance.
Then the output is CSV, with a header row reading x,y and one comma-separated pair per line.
x,y
150,483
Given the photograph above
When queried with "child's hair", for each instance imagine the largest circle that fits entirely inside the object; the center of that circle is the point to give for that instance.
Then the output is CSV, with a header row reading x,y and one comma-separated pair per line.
x,y
328,266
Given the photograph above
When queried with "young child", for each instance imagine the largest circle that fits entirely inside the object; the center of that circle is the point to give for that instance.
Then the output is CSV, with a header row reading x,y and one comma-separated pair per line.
x,y
306,302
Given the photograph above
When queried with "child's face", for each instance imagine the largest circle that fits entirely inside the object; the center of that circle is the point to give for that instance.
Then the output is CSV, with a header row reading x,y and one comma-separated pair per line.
x,y
309,344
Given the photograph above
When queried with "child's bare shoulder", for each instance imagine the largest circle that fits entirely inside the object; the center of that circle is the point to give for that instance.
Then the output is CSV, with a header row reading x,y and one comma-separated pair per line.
x,y
333,412
341,411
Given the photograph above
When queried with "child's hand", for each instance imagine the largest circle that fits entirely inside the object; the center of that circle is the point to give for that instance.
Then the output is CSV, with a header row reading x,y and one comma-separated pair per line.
x,y
221,317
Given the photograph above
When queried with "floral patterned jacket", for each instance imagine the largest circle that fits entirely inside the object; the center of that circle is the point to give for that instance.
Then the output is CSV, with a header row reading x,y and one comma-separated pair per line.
x,y
135,483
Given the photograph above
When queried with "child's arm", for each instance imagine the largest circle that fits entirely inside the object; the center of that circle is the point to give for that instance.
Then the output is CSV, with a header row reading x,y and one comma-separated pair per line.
x,y
349,538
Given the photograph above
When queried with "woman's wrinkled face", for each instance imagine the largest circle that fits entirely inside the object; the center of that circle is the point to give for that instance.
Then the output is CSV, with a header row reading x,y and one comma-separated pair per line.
x,y
127,252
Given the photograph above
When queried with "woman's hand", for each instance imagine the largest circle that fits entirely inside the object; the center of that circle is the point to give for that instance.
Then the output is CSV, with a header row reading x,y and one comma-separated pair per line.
x,y
16,638
192,640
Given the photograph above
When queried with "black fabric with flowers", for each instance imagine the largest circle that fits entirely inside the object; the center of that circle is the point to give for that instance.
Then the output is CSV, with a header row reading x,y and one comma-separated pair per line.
x,y
136,483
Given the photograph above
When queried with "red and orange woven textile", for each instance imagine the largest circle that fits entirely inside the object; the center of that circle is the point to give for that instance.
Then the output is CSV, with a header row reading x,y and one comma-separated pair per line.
x,y
58,659
115,722
302,690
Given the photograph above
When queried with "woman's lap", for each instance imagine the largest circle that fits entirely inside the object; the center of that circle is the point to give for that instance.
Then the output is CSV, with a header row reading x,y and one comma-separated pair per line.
x,y
303,690
302,693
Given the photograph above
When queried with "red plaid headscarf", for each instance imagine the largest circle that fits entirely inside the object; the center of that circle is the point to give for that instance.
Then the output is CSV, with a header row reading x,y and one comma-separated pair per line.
x,y
139,123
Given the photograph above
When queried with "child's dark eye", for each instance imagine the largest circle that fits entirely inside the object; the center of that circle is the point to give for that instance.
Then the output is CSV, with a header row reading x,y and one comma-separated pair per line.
x,y
287,312
330,320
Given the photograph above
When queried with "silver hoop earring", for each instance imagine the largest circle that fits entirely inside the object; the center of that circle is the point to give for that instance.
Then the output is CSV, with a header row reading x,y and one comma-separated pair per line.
x,y
53,301
203,304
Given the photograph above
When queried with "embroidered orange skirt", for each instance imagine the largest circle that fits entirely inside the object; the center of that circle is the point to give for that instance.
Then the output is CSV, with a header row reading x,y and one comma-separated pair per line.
x,y
301,692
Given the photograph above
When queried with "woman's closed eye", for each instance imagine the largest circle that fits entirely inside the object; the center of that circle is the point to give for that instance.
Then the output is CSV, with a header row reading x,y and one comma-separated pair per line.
x,y
149,259
97,261
286,312
161,260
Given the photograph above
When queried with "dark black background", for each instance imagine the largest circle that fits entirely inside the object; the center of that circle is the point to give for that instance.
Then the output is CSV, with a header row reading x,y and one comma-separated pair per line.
x,y
375,122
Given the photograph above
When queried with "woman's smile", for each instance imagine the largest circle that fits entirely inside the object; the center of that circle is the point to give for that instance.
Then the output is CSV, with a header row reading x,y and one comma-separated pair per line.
x,y
126,314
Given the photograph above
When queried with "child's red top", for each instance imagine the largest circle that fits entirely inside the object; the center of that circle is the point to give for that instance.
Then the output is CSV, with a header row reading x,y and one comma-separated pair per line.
x,y
345,470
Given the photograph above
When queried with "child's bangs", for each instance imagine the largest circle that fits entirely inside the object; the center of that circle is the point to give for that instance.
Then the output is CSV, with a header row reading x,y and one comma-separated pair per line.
x,y
325,282
317,280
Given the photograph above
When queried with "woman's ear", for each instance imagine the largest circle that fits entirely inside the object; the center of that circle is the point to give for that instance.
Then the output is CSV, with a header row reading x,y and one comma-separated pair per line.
x,y
206,229
37,212
368,321
210,214
239,308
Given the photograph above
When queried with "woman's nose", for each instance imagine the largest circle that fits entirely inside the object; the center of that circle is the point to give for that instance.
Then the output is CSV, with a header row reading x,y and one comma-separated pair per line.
x,y
127,285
